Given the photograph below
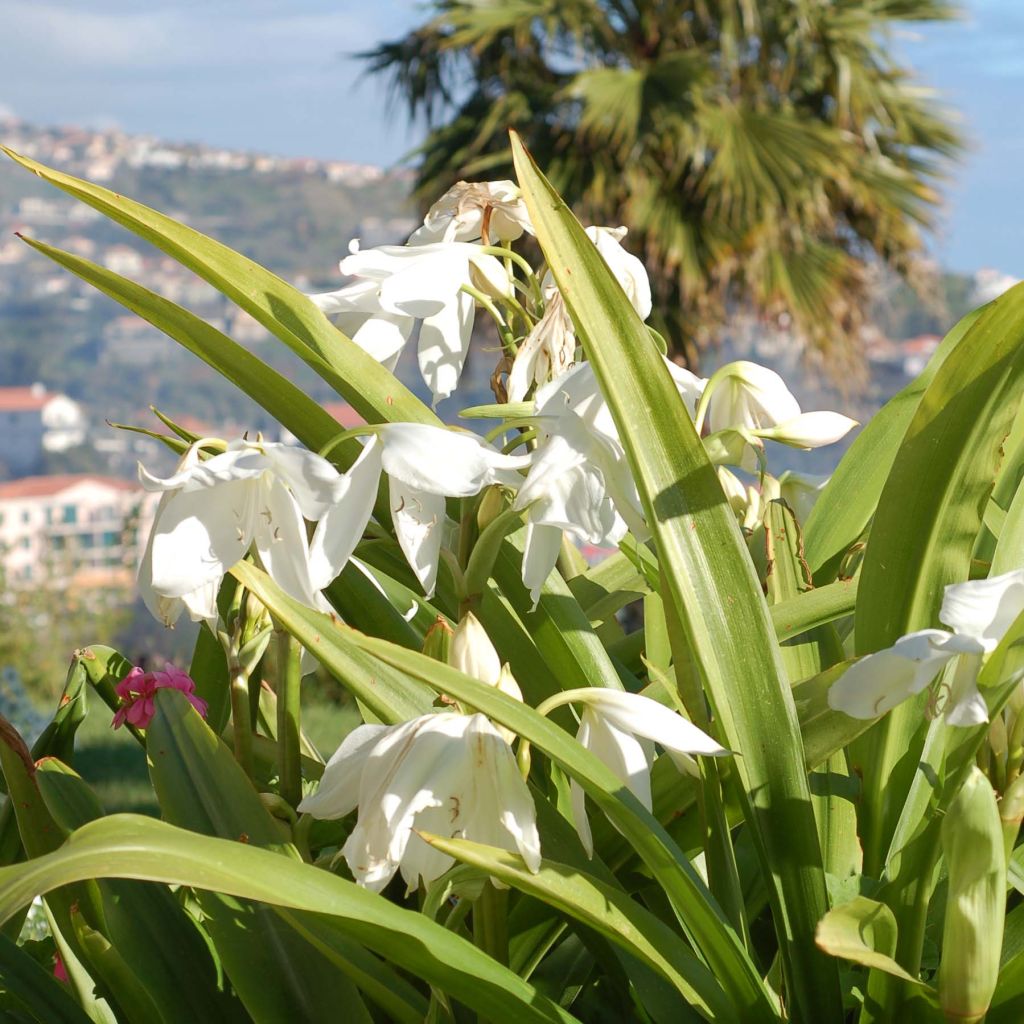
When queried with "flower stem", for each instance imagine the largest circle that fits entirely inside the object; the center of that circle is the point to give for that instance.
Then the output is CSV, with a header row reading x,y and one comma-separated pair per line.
x,y
241,721
289,684
490,922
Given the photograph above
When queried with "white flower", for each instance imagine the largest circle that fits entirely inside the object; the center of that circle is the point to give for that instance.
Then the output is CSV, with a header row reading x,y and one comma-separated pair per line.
x,y
546,352
469,210
472,652
621,729
747,396
445,774
398,285
255,493
426,464
549,349
979,613
579,481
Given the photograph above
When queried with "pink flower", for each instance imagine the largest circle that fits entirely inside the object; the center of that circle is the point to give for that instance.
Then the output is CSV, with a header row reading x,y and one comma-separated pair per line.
x,y
60,972
138,689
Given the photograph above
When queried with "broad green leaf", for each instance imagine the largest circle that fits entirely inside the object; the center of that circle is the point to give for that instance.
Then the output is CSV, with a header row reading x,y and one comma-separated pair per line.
x,y
131,846
711,582
686,892
606,909
200,786
863,931
371,390
36,989
923,535
846,505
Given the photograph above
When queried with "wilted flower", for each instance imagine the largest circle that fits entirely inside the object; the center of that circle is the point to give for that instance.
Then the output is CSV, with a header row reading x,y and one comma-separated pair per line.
x,y
548,350
475,210
255,493
979,613
445,774
400,284
621,729
138,689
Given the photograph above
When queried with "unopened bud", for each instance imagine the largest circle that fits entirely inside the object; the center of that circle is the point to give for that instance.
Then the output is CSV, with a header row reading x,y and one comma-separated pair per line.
x,y
492,504
472,651
438,640
972,935
508,686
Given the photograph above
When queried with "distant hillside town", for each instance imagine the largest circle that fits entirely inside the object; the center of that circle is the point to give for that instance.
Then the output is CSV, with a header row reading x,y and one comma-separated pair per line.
x,y
74,362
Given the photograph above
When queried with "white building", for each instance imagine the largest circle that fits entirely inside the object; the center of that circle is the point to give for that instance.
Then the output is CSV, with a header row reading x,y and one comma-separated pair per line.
x,y
72,528
34,420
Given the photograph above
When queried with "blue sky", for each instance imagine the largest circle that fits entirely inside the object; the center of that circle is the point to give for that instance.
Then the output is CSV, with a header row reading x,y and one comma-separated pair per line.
x,y
280,76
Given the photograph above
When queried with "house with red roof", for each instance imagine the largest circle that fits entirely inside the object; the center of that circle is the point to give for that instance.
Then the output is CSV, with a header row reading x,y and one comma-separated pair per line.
x,y
34,420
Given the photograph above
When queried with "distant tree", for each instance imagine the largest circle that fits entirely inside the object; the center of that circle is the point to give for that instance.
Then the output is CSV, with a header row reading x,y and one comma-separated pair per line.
x,y
763,154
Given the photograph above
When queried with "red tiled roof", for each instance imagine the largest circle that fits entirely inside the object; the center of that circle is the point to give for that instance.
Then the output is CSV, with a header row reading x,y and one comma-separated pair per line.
x,y
23,399
41,486
344,414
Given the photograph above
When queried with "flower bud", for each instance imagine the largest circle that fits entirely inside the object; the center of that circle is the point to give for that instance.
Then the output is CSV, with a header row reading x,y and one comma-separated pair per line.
x,y
473,653
438,640
972,935
508,686
811,429
492,504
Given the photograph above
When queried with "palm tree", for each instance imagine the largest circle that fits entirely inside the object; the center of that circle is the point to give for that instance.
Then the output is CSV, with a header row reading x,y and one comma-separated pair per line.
x,y
766,154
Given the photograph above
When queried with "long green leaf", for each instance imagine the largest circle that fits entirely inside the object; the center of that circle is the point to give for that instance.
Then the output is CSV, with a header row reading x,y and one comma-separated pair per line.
x,y
130,846
715,942
288,314
606,909
928,518
711,581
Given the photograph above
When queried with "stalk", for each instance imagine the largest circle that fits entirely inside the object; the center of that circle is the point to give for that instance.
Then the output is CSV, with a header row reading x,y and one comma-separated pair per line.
x,y
289,685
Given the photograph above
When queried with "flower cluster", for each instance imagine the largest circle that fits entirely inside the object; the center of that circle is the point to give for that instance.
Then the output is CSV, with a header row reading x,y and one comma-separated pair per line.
x,y
561,468
138,689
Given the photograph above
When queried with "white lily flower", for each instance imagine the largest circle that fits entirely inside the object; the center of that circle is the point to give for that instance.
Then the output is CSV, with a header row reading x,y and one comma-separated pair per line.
x,y
446,774
469,210
548,350
255,493
400,284
472,652
621,729
426,464
979,613
748,396
579,481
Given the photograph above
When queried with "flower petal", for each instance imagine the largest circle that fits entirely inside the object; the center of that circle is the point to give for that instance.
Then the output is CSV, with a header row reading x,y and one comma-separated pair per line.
x,y
315,483
880,681
419,519
341,528
984,609
443,344
449,462
540,553
812,429
200,535
280,537
338,793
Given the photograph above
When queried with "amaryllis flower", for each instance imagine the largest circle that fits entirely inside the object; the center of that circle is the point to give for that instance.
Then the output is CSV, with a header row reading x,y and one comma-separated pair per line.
x,y
746,396
621,729
254,494
426,464
446,774
398,285
979,612
470,211
138,689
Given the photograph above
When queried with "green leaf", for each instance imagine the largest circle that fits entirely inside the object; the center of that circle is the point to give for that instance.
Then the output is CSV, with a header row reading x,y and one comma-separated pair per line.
x,y
372,391
923,535
846,505
609,911
863,931
36,989
686,892
711,582
131,846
